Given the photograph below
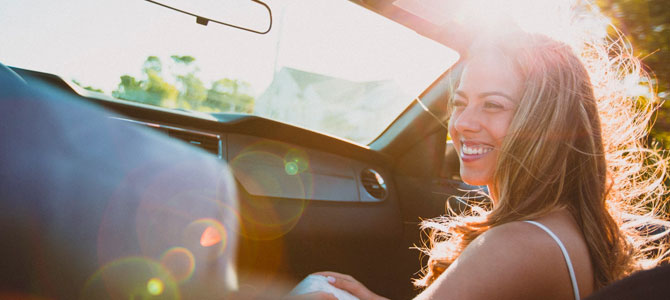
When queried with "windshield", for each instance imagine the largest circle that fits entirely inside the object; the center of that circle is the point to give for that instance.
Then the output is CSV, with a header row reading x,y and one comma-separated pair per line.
x,y
326,65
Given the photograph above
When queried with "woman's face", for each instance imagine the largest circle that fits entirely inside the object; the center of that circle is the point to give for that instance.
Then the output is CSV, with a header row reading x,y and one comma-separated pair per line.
x,y
482,109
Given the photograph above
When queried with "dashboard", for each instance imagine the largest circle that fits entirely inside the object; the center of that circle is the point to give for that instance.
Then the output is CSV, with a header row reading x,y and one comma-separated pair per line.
x,y
305,164
307,201
301,193
292,171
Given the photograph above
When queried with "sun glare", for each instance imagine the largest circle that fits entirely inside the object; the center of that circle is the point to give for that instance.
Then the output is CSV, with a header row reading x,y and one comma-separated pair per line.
x,y
559,19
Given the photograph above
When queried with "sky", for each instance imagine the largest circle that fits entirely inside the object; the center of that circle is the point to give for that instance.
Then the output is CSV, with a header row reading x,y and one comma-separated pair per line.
x,y
95,42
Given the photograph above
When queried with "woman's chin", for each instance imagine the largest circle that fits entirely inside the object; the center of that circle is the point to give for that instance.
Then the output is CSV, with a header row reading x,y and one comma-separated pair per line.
x,y
475,180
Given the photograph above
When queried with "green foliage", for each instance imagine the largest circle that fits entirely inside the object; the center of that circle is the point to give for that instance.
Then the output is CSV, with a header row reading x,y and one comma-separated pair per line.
x,y
153,90
131,89
184,89
152,63
89,88
230,95
193,92
183,59
647,24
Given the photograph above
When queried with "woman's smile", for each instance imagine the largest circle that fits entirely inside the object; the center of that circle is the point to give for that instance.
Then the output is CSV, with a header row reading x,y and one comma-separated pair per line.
x,y
471,151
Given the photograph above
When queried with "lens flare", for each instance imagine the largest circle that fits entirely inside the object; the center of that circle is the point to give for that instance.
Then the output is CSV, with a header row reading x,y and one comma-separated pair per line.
x,y
180,262
296,161
155,286
205,238
268,171
262,170
210,237
160,223
131,278
170,201
272,223
291,168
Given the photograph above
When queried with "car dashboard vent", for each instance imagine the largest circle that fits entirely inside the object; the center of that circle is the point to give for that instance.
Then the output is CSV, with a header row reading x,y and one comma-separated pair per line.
x,y
207,141
373,183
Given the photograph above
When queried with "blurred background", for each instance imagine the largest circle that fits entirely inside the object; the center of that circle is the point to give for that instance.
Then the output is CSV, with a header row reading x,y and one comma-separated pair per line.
x,y
646,23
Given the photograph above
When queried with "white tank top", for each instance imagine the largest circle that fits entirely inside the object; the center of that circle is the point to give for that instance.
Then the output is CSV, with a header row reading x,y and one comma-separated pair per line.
x,y
568,262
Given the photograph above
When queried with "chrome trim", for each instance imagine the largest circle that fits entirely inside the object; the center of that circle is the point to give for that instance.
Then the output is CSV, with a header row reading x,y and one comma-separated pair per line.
x,y
220,147
380,181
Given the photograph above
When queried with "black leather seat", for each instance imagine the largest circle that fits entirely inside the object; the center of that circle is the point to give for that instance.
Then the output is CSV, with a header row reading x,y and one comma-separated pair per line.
x,y
649,284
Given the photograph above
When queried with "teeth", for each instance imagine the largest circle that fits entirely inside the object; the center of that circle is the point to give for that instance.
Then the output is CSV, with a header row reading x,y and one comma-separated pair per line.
x,y
476,150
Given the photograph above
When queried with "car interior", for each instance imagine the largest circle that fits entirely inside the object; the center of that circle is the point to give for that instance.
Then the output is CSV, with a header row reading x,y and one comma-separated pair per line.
x,y
353,209
310,201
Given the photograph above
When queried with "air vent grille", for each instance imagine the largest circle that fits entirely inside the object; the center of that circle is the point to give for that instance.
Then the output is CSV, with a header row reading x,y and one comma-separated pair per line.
x,y
208,142
373,183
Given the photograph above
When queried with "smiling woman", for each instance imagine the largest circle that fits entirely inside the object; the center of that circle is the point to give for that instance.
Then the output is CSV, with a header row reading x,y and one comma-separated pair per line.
x,y
545,128
544,123
574,195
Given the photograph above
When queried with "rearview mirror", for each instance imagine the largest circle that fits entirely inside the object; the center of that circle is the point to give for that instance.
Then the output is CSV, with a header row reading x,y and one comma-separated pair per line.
x,y
249,15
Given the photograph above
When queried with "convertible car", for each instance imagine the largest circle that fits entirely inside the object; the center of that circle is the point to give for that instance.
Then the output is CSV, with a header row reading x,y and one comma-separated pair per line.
x,y
147,155
127,117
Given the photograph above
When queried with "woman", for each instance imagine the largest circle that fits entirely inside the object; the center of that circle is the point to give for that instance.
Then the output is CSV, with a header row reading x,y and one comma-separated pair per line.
x,y
526,122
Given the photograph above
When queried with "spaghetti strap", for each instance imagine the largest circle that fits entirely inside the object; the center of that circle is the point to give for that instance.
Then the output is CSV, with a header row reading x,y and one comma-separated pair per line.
x,y
573,278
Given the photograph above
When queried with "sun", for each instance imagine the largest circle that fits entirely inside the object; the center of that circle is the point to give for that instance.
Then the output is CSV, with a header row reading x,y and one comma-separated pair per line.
x,y
569,21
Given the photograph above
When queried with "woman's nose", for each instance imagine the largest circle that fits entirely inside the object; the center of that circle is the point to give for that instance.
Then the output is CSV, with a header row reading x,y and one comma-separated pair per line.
x,y
468,120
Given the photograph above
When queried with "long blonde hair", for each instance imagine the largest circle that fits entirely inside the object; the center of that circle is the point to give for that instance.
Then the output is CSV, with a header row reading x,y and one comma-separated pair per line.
x,y
575,142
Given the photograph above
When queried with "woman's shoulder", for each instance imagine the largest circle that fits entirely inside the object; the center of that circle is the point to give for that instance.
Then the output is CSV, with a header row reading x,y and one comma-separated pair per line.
x,y
513,239
510,261
533,234
516,249
510,231
519,242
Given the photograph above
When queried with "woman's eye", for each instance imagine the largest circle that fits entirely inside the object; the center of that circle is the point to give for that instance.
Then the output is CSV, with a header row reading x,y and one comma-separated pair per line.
x,y
493,105
458,103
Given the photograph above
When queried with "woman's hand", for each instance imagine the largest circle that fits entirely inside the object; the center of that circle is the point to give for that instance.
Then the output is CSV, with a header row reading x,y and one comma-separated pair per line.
x,y
351,285
311,296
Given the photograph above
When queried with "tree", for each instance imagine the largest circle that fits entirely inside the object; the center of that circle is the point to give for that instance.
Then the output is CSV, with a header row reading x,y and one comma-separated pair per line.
x,y
647,24
153,90
188,90
192,92
230,95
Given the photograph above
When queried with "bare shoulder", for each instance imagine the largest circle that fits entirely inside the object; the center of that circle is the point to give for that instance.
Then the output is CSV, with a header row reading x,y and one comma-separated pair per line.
x,y
517,248
514,234
509,261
